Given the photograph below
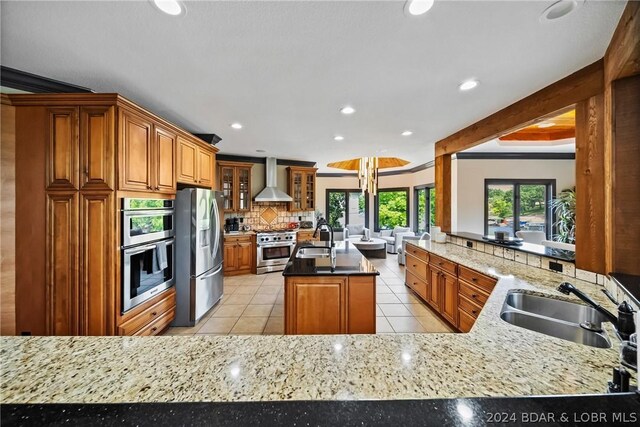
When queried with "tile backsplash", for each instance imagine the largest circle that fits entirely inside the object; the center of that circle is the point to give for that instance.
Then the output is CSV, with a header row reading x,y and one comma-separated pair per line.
x,y
270,215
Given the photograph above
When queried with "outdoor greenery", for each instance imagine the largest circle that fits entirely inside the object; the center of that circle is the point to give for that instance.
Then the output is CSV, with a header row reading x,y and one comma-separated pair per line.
x,y
392,209
336,208
564,208
500,203
531,201
422,195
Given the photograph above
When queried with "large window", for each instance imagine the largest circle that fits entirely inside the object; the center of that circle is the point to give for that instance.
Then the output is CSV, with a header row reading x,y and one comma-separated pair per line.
x,y
424,208
392,208
347,207
513,205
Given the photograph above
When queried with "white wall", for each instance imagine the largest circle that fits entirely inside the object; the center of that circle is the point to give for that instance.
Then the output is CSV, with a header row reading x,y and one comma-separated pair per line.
x,y
468,177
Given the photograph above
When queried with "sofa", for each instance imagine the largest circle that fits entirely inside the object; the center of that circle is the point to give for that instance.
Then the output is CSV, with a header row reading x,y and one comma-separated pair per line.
x,y
403,248
393,238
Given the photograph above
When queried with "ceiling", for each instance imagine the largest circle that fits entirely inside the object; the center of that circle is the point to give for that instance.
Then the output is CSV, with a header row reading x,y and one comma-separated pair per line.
x,y
283,69
548,130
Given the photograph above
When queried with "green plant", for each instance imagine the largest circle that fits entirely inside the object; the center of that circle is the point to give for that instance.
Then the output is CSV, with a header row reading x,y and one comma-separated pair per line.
x,y
564,208
337,203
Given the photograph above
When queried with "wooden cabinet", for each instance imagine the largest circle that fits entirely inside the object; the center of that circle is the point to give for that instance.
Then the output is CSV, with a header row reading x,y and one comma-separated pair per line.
x,y
302,188
151,317
235,184
330,305
433,296
239,254
165,160
195,163
449,298
307,235
97,143
417,277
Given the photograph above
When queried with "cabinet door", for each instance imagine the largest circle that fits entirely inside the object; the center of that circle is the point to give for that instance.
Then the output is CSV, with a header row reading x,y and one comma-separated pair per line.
x,y
295,190
315,305
449,298
165,160
135,153
62,149
187,161
309,203
244,189
62,264
97,161
230,257
245,255
433,287
205,167
361,295
228,187
97,279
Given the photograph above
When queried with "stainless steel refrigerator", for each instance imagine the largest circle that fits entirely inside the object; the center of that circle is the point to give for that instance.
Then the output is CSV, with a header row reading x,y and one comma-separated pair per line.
x,y
199,240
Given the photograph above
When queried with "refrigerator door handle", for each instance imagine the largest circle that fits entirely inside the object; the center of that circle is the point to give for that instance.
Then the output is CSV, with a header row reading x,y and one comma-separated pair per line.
x,y
215,228
213,273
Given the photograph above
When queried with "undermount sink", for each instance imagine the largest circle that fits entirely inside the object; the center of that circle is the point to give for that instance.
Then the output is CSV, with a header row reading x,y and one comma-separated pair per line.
x,y
314,252
561,319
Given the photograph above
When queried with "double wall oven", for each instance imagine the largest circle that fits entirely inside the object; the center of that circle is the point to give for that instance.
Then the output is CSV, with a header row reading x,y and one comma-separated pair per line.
x,y
274,250
148,249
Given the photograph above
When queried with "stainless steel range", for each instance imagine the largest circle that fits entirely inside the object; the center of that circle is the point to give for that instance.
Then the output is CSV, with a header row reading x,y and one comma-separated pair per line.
x,y
274,250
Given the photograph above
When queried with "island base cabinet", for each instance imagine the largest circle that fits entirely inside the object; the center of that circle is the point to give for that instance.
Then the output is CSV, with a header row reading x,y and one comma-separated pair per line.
x,y
329,305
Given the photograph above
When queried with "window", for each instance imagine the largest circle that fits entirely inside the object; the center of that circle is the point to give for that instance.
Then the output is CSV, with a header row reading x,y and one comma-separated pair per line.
x,y
424,210
392,208
513,205
347,207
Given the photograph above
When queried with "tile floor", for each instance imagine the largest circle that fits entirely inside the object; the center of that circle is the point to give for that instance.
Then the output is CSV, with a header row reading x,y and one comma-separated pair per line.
x,y
254,305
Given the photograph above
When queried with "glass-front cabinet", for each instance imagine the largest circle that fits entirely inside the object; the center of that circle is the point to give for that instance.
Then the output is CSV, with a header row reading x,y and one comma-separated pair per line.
x,y
235,184
302,188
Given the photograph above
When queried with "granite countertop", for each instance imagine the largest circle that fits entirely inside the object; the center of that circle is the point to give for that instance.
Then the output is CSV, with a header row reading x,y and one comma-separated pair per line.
x,y
493,359
523,247
239,233
348,262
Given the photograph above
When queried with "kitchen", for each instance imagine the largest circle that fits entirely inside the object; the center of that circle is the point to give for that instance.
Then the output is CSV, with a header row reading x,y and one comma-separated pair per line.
x,y
84,168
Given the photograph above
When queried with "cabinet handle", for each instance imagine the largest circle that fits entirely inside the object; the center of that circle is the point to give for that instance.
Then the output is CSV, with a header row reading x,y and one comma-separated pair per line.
x,y
154,313
440,264
474,311
154,329
415,284
414,266
149,187
157,188
474,279
474,296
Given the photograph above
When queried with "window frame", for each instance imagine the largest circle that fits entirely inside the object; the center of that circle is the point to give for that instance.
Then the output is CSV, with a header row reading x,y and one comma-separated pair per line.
x,y
376,204
550,194
346,192
416,189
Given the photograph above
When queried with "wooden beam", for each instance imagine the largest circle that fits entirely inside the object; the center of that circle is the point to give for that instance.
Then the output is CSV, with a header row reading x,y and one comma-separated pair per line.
x,y
622,58
590,193
576,87
443,192
8,219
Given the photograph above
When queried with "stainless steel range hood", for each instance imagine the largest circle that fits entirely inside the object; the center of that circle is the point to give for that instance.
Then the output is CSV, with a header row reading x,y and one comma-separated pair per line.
x,y
271,192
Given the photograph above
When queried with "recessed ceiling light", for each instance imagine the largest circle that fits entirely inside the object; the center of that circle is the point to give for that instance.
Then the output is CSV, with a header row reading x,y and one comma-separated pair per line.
x,y
559,9
338,138
418,7
260,151
347,109
546,124
170,7
236,125
407,133
468,84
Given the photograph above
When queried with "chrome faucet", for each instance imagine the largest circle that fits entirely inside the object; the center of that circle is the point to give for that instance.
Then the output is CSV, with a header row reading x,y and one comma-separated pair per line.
x,y
567,288
324,222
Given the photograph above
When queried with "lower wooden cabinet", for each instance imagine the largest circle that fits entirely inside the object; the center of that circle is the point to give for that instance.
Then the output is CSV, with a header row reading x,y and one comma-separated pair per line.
x,y
151,317
330,305
239,255
449,298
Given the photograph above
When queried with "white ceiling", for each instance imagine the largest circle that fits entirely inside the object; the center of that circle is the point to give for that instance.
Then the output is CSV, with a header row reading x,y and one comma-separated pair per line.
x,y
283,69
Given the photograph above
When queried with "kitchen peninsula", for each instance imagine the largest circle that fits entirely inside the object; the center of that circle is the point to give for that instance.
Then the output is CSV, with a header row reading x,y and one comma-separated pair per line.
x,y
329,290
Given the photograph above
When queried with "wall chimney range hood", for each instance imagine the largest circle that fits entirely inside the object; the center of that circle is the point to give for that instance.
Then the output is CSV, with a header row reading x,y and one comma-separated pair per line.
x,y
271,193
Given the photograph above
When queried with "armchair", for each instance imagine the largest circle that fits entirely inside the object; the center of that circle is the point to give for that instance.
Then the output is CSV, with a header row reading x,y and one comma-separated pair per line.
x,y
403,248
393,238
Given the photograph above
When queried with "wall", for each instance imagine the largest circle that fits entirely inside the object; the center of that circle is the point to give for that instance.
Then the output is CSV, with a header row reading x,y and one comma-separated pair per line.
x,y
468,184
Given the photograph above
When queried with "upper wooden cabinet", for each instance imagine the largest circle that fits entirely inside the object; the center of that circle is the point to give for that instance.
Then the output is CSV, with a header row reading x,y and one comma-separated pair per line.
x,y
97,144
302,188
196,163
165,160
235,183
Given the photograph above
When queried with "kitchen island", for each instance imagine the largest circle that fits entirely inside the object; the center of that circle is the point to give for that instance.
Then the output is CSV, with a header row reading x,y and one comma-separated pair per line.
x,y
332,291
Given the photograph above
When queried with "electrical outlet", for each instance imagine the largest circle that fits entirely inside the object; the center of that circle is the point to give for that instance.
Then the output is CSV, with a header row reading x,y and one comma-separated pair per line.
x,y
555,266
469,244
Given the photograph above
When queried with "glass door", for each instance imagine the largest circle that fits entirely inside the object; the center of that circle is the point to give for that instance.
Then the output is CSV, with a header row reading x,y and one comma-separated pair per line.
x,y
310,196
228,188
499,206
244,190
297,190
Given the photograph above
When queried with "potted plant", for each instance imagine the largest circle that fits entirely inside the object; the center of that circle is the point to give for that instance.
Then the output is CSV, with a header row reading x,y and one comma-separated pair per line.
x,y
564,210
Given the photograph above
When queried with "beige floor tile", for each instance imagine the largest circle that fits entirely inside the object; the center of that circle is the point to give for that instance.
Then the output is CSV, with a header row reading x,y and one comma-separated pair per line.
x,y
278,310
262,310
229,310
249,325
269,290
418,309
378,311
229,289
246,290
394,310
184,331
280,298
399,289
405,324
433,324
237,299
394,281
383,326
218,325
274,326
383,289
264,299
387,299
408,298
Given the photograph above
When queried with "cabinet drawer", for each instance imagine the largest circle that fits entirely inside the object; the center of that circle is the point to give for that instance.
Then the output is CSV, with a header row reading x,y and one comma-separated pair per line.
x,y
236,239
473,293
417,252
149,315
443,264
158,325
481,281
465,322
416,267
419,286
470,307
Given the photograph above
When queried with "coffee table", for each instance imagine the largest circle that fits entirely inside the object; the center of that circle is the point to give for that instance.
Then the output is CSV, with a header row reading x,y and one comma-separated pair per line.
x,y
374,248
